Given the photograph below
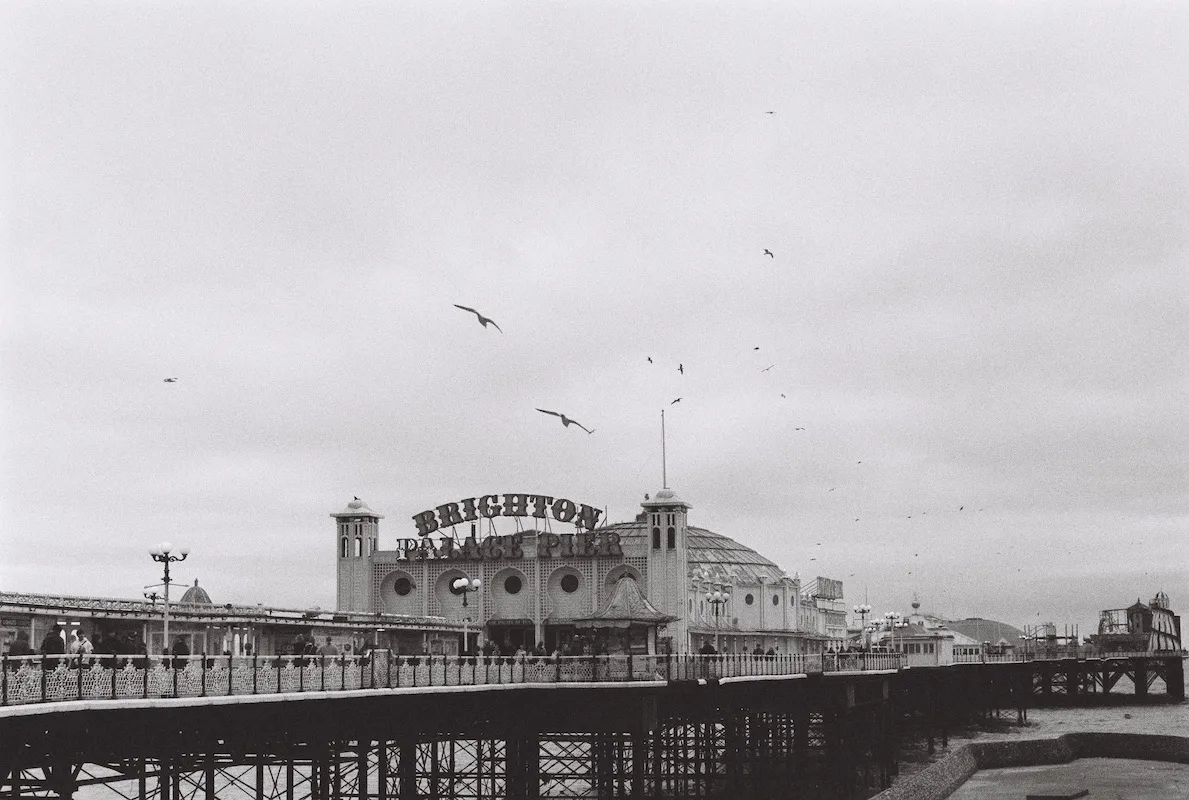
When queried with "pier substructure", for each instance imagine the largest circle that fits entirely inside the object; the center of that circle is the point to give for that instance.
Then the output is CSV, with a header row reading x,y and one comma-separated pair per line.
x,y
813,737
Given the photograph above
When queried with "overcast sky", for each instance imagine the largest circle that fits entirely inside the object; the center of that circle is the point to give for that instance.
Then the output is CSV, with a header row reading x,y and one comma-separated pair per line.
x,y
976,309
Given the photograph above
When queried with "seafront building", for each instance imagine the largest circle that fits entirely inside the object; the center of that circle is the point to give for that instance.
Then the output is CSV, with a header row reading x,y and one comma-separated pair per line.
x,y
129,627
557,575
560,575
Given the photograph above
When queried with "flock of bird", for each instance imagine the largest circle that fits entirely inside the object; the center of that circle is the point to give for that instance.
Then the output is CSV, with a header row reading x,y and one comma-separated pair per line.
x,y
568,421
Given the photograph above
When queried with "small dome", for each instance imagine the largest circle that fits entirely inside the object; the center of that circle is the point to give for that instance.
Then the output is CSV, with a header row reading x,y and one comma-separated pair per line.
x,y
665,497
357,508
196,594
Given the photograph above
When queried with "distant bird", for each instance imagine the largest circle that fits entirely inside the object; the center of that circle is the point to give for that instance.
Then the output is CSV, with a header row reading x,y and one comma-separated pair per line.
x,y
765,369
649,359
566,420
356,498
832,488
813,559
769,112
768,253
801,429
782,394
678,400
681,368
755,348
482,319
171,380
961,507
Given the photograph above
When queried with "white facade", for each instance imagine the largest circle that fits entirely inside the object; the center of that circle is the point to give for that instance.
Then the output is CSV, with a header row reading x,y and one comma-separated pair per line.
x,y
537,582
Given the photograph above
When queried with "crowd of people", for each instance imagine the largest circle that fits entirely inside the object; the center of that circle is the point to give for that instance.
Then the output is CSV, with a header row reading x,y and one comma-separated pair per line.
x,y
55,643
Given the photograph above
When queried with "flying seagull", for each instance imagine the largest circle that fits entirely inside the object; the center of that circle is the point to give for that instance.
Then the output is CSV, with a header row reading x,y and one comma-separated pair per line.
x,y
482,319
678,400
649,359
681,368
765,369
768,253
769,112
798,429
171,380
566,420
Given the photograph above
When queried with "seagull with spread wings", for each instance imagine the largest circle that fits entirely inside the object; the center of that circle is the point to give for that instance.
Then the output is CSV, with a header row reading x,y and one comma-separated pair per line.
x,y
768,253
171,380
566,420
482,319
678,400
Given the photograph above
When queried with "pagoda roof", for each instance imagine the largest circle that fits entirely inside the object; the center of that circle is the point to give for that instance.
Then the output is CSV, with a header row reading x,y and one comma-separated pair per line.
x,y
626,606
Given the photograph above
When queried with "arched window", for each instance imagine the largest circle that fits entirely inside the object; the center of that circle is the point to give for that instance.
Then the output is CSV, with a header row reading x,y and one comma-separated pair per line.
x,y
343,552
358,547
672,538
656,538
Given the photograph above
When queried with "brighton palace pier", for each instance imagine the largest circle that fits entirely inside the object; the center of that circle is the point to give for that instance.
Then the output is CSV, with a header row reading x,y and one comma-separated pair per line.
x,y
555,573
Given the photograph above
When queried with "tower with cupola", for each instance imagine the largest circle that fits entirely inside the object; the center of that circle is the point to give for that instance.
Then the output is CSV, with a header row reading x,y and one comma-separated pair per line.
x,y
357,532
665,516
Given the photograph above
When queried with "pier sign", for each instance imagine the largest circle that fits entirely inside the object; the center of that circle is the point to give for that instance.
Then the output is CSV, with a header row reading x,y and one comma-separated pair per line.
x,y
546,545
511,504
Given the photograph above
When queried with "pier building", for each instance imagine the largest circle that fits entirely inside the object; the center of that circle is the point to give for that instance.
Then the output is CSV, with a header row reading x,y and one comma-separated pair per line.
x,y
551,577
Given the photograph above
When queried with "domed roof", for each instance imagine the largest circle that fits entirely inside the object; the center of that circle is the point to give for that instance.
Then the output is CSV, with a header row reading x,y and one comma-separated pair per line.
x,y
665,497
196,594
719,558
358,508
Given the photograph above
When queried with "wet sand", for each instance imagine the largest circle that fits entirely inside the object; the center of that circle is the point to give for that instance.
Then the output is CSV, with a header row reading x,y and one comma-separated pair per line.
x,y
1114,778
1125,715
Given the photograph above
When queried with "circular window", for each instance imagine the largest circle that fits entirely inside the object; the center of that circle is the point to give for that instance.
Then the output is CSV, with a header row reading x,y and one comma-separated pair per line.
x,y
402,586
749,599
569,583
775,599
512,584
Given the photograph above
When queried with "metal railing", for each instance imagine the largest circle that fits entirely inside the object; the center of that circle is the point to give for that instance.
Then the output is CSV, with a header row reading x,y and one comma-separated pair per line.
x,y
1058,655
56,678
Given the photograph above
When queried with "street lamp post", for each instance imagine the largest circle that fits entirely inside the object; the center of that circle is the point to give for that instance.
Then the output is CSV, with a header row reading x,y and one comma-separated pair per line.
x,y
718,598
163,555
863,610
893,618
464,586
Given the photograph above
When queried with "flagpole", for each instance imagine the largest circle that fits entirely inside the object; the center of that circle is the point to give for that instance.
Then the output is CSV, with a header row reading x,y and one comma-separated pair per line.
x,y
664,465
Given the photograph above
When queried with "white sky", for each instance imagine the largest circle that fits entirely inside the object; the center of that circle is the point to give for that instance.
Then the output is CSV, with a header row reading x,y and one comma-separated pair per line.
x,y
979,218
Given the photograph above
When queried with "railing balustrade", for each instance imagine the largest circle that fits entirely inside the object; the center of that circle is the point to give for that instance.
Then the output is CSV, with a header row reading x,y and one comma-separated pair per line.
x,y
1057,655
52,678
55,678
